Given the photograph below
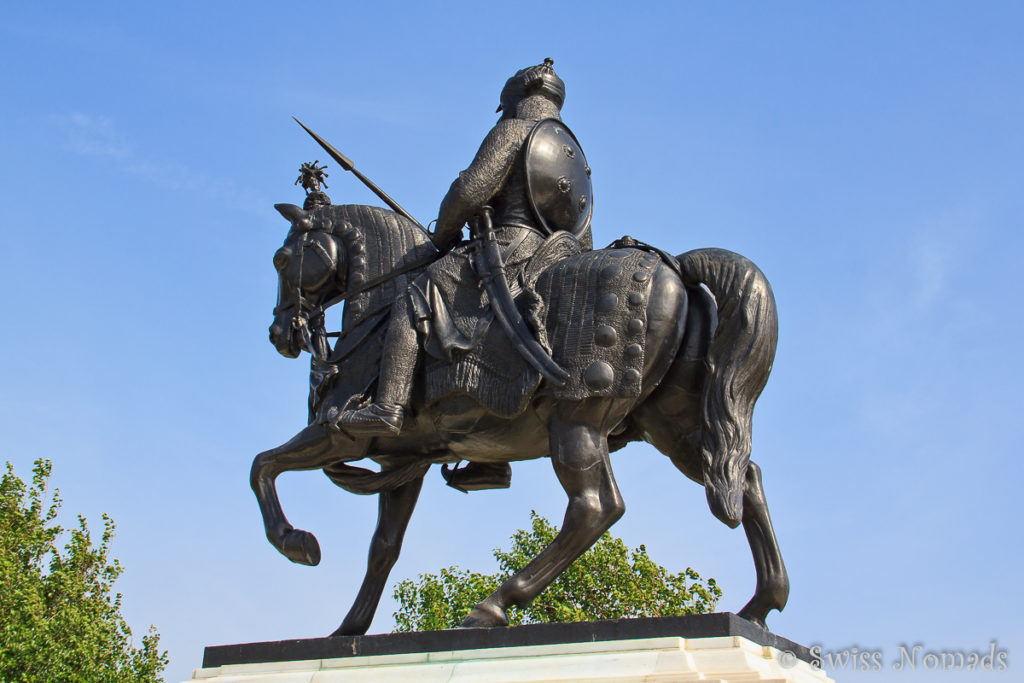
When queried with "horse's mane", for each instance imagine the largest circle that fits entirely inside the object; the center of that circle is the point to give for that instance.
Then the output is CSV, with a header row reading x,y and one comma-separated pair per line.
x,y
377,242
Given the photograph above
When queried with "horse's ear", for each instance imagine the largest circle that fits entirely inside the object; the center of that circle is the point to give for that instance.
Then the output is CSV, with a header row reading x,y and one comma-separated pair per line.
x,y
293,213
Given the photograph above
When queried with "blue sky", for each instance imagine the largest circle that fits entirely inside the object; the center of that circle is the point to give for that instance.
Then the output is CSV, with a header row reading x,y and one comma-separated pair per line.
x,y
868,157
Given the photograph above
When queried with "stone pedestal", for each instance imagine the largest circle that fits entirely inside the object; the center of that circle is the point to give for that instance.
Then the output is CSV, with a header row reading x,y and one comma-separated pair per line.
x,y
664,649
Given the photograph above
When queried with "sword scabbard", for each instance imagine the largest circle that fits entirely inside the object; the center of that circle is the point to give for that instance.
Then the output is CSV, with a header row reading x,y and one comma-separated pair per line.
x,y
492,276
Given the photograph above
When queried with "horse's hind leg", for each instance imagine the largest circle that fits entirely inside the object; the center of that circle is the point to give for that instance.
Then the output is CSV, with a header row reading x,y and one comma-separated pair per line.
x,y
312,448
772,589
580,456
394,510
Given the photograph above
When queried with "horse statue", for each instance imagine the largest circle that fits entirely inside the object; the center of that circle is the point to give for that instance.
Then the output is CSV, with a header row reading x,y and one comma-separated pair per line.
x,y
669,350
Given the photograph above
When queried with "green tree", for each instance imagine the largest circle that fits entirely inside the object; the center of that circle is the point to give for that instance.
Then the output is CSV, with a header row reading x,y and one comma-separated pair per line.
x,y
609,581
58,619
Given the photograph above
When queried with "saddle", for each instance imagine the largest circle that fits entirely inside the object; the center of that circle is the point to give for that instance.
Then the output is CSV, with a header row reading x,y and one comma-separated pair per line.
x,y
588,309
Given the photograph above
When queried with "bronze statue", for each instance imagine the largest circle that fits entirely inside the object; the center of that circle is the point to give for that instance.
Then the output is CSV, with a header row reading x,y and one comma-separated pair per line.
x,y
533,344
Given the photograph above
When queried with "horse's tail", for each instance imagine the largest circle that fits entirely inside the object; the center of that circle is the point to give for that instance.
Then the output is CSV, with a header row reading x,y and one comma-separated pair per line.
x,y
739,362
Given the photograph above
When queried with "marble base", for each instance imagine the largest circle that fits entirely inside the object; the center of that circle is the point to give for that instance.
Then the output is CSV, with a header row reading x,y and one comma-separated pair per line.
x,y
722,658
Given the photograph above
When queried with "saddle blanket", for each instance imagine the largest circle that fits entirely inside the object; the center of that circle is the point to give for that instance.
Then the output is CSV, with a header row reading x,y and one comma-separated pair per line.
x,y
589,310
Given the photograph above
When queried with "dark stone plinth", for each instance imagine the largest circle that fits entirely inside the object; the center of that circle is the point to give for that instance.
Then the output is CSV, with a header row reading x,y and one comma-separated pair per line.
x,y
694,626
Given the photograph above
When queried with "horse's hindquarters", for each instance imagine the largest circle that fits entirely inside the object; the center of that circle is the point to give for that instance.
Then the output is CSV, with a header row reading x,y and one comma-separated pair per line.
x,y
667,308
669,417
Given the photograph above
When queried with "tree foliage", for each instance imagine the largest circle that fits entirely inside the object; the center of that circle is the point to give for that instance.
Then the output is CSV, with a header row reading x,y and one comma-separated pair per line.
x,y
58,619
609,581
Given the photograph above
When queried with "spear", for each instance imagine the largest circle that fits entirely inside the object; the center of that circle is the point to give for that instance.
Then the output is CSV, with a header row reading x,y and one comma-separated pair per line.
x,y
347,164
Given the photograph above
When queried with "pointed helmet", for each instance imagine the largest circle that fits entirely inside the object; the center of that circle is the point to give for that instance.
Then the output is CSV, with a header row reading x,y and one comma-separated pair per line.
x,y
533,80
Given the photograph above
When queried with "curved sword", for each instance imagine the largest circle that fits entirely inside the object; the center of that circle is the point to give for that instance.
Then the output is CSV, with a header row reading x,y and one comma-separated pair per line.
x,y
492,274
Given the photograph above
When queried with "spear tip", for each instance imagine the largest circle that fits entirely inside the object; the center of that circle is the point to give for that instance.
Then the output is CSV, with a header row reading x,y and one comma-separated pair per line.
x,y
345,162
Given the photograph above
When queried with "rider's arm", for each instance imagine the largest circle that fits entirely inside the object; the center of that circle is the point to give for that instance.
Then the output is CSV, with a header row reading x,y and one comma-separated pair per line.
x,y
477,184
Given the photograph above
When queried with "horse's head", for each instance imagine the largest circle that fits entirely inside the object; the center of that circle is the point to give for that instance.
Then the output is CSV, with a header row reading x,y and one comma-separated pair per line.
x,y
311,269
365,253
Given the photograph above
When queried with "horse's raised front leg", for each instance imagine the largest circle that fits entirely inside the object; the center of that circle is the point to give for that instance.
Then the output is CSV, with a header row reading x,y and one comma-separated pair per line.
x,y
312,448
772,589
580,456
394,510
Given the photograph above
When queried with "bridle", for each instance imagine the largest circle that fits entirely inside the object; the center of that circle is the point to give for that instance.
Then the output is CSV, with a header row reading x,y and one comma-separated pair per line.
x,y
308,321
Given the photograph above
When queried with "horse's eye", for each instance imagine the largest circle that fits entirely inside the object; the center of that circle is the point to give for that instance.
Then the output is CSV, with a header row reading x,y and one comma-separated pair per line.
x,y
281,259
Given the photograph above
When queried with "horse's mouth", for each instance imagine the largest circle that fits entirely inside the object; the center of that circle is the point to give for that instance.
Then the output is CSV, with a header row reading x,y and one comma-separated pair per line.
x,y
285,340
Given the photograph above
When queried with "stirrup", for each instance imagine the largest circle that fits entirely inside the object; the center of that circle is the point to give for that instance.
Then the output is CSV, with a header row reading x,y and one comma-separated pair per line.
x,y
478,476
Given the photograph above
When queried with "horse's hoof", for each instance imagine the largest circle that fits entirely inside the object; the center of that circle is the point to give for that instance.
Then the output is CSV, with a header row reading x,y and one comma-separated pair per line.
x,y
485,615
345,630
301,547
756,621
352,626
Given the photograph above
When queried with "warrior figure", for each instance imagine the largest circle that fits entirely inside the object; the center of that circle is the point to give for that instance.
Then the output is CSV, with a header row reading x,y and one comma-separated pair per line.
x,y
497,178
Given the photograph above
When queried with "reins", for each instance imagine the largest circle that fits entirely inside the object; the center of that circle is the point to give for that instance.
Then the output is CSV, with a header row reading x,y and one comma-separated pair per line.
x,y
377,281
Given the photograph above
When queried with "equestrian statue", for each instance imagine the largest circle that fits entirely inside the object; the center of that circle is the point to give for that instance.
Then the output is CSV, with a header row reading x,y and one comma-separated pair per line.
x,y
520,342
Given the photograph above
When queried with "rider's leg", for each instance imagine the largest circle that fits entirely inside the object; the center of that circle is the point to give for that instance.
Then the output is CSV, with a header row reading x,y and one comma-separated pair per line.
x,y
384,417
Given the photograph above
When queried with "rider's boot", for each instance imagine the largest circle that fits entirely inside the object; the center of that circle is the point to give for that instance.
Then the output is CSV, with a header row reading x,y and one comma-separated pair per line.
x,y
376,419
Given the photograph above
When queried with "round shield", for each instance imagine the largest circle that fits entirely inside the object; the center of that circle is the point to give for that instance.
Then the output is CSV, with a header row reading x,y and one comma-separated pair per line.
x,y
558,178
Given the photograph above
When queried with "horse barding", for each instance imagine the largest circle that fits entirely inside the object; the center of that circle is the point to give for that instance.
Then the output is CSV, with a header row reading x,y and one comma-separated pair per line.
x,y
671,351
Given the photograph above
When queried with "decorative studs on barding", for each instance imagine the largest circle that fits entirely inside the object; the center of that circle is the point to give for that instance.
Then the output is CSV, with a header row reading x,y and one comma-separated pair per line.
x,y
607,302
605,335
355,252
599,376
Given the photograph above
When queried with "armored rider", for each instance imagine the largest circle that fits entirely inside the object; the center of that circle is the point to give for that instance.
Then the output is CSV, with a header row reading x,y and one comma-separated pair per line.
x,y
447,292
